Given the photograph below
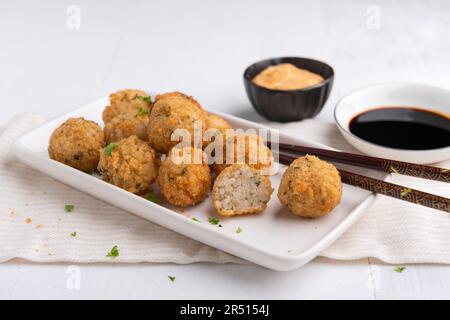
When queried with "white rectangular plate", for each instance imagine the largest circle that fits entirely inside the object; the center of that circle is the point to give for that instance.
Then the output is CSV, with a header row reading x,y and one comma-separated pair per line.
x,y
275,238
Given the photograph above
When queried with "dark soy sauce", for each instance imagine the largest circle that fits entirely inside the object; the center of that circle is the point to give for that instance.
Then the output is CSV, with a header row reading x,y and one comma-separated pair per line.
x,y
403,128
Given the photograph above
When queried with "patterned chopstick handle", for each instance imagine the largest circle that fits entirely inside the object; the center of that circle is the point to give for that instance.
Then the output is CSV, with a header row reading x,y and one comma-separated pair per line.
x,y
386,188
386,165
416,170
396,191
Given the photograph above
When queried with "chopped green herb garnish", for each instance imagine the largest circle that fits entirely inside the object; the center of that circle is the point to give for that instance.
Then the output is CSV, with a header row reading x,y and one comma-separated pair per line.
x,y
153,197
195,219
213,221
405,191
147,99
171,278
74,234
141,111
238,230
114,252
399,269
69,207
109,148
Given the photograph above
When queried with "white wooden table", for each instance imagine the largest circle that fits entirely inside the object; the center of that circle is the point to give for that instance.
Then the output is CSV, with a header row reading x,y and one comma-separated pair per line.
x,y
49,66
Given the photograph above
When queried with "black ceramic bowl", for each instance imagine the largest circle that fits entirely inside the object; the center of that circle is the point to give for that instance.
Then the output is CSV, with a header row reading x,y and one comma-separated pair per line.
x,y
289,105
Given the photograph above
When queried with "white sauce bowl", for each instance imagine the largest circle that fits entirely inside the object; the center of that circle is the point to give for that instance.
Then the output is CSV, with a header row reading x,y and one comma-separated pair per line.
x,y
398,94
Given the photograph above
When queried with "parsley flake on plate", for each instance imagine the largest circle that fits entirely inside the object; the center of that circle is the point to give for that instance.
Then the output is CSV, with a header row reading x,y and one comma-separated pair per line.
x,y
110,147
213,221
195,219
74,234
171,278
114,252
69,207
399,269
238,230
153,197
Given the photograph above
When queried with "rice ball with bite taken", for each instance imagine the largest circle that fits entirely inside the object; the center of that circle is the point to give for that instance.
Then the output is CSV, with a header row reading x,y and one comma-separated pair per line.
x,y
128,101
129,164
240,189
76,143
184,177
172,111
310,187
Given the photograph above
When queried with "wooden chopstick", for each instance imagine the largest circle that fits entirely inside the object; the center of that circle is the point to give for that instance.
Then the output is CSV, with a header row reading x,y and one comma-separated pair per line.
x,y
385,188
386,165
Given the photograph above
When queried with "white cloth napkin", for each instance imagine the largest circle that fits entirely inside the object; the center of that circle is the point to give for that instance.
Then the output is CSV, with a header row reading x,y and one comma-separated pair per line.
x,y
34,225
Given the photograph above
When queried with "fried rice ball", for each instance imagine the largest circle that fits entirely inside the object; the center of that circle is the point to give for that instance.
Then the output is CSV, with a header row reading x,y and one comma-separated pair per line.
x,y
173,111
125,125
217,125
184,177
310,187
76,143
128,101
129,164
245,148
240,189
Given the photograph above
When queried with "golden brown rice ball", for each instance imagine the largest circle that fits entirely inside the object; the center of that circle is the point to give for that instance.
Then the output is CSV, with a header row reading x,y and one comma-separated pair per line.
x,y
217,125
240,189
125,125
310,187
173,111
184,177
128,101
129,164
247,149
76,143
